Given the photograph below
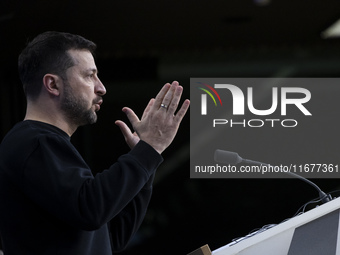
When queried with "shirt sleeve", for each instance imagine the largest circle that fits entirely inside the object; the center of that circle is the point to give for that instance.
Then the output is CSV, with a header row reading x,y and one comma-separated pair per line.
x,y
57,179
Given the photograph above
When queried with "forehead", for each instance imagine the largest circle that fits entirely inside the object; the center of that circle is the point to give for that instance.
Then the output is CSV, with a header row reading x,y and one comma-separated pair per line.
x,y
82,59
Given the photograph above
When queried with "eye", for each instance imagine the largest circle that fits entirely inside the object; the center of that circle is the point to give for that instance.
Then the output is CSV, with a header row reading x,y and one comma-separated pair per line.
x,y
91,76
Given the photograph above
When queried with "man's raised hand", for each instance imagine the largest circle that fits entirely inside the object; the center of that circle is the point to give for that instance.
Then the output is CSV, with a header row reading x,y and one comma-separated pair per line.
x,y
160,121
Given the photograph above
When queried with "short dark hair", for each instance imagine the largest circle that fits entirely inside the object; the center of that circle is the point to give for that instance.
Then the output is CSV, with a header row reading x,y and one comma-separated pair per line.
x,y
47,53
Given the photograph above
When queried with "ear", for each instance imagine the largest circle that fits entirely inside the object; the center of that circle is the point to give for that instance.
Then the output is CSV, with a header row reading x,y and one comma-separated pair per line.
x,y
52,84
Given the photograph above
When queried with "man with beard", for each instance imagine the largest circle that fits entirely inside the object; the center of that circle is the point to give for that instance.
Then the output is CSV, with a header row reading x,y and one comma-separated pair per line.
x,y
50,201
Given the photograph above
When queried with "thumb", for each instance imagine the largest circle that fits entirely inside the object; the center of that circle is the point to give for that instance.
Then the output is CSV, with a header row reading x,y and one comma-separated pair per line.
x,y
124,129
130,114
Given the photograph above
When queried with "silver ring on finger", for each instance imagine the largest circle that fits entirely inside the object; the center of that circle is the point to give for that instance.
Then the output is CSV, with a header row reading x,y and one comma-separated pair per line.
x,y
164,106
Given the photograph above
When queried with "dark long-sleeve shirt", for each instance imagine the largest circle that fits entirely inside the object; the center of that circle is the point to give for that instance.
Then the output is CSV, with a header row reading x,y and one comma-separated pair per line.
x,y
50,203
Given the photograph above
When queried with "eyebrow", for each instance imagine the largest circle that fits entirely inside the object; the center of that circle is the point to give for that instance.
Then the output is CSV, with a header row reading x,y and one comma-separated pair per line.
x,y
94,70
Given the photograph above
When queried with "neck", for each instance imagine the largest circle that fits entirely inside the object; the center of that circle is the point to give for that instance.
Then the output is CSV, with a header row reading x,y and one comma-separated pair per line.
x,y
49,115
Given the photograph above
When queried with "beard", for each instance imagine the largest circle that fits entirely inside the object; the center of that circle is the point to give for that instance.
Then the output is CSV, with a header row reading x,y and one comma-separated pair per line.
x,y
76,108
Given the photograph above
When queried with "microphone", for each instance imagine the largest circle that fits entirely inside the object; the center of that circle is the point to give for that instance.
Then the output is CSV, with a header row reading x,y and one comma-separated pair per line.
x,y
232,158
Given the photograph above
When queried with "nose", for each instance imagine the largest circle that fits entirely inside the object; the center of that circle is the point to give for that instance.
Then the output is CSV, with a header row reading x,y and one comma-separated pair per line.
x,y
100,88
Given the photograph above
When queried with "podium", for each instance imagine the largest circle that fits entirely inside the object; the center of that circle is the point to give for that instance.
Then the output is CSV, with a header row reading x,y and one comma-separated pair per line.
x,y
315,232
204,250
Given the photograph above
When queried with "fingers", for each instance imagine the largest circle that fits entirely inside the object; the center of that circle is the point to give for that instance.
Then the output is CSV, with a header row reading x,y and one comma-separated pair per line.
x,y
173,104
130,138
133,118
169,96
166,100
180,114
124,128
159,124
160,96
148,107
